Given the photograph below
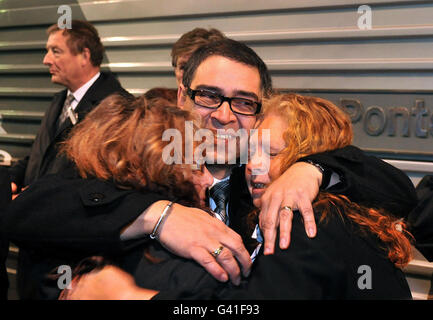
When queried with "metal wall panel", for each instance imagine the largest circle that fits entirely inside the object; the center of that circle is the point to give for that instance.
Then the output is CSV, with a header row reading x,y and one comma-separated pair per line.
x,y
313,47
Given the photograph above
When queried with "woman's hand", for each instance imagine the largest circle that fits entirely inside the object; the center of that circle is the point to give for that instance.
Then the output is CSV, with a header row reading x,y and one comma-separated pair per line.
x,y
296,188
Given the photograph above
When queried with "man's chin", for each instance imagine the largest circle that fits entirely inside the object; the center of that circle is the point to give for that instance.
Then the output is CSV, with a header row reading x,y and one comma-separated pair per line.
x,y
222,159
257,203
56,80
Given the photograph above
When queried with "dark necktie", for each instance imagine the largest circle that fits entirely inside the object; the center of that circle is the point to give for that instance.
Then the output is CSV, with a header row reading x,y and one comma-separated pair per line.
x,y
220,194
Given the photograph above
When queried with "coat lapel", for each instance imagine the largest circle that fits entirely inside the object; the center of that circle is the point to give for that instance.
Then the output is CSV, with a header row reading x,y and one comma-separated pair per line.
x,y
54,112
240,206
90,98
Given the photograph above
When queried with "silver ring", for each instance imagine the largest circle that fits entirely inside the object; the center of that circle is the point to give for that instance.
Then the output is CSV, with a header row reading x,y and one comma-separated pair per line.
x,y
217,252
286,208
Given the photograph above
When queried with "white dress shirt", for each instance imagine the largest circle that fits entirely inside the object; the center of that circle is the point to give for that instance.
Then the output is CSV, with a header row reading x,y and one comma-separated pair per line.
x,y
80,92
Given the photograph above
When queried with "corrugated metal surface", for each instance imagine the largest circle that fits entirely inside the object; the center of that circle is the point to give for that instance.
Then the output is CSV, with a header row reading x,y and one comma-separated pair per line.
x,y
310,46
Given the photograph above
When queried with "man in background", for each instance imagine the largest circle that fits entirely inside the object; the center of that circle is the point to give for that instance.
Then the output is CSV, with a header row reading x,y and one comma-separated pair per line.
x,y
187,44
181,51
74,57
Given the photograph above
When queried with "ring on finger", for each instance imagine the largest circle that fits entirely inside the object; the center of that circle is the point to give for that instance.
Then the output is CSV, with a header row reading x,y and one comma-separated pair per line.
x,y
288,208
217,251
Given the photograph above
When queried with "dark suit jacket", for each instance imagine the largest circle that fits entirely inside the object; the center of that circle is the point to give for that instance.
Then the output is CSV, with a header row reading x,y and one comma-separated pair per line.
x,y
369,181
43,157
421,218
240,206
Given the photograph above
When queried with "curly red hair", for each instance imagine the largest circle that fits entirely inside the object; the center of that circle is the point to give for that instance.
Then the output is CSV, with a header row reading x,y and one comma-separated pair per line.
x,y
316,125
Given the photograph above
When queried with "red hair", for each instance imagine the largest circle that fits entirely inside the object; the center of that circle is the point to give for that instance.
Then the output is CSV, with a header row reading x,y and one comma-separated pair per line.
x,y
389,230
121,141
316,125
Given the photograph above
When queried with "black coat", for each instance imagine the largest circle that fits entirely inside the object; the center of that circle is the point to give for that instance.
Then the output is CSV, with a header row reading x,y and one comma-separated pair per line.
x,y
84,204
77,218
5,198
43,157
339,263
421,218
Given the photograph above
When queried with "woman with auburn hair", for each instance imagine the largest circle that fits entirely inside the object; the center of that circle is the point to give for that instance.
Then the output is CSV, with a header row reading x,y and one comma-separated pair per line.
x,y
120,138
302,125
358,252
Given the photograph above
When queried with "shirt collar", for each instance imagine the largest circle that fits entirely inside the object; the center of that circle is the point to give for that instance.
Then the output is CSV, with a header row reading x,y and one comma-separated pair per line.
x,y
215,180
80,92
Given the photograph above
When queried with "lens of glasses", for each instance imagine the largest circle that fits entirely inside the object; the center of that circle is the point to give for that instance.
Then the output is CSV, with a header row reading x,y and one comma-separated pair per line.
x,y
244,106
213,100
207,99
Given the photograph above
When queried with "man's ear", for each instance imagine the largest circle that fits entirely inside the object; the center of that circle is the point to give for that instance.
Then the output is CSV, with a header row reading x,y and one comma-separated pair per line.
x,y
181,96
86,56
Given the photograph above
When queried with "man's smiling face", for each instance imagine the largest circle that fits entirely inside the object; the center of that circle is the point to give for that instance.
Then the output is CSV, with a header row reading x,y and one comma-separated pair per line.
x,y
229,78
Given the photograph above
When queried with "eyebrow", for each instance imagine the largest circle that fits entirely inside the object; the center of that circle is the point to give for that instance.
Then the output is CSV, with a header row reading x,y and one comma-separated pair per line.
x,y
274,149
236,93
52,47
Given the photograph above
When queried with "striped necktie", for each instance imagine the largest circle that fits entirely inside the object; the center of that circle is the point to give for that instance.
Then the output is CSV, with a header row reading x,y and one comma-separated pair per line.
x,y
66,106
220,194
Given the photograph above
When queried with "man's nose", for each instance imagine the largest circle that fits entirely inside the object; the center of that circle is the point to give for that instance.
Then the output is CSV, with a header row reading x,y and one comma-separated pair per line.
x,y
253,163
47,59
224,114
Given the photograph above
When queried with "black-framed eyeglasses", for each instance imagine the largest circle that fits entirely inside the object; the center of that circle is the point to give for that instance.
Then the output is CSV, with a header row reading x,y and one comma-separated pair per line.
x,y
212,100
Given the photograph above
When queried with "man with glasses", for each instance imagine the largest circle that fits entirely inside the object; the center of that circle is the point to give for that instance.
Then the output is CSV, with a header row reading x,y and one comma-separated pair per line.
x,y
207,93
225,82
